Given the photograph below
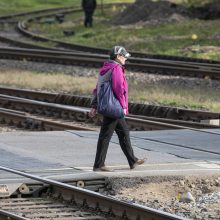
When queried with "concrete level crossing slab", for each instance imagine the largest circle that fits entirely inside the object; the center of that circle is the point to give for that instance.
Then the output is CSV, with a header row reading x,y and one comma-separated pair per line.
x,y
52,153
163,169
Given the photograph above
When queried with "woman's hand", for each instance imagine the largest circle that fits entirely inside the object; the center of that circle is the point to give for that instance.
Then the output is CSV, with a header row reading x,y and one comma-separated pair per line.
x,y
92,112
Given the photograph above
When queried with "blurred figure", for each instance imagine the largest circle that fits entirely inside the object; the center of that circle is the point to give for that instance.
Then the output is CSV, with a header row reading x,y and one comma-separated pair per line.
x,y
89,8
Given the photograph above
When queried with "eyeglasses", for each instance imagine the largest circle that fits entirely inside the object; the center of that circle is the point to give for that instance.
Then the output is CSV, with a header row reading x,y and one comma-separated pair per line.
x,y
123,56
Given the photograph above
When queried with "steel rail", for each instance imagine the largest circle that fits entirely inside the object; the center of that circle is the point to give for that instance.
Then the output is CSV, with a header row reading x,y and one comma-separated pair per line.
x,y
34,12
44,57
175,67
36,123
22,28
54,57
194,65
174,125
46,208
98,50
170,126
95,200
50,105
5,215
134,108
52,10
21,44
12,111
52,51
30,94
153,63
175,122
133,122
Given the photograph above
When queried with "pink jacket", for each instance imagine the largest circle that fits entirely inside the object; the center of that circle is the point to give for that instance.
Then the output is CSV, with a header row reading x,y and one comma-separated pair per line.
x,y
119,83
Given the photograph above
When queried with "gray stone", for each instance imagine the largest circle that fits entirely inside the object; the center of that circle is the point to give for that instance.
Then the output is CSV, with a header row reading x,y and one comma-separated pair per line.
x,y
187,197
182,183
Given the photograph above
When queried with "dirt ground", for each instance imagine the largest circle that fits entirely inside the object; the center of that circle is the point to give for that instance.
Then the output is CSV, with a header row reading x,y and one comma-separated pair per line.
x,y
164,11
194,197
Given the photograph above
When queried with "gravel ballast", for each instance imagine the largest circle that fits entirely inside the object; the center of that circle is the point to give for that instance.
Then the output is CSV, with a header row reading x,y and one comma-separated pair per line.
x,y
194,197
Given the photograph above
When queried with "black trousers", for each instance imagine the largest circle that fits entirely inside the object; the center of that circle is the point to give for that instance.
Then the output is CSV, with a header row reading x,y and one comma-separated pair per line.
x,y
88,18
108,127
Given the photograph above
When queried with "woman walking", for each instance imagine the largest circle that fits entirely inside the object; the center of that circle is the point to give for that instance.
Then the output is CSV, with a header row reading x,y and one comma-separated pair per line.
x,y
114,70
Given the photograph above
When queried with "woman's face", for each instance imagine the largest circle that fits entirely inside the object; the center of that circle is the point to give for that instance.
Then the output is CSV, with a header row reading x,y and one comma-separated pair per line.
x,y
121,59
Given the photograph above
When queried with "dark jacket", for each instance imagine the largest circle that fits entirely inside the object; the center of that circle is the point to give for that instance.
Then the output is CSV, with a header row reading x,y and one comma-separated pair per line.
x,y
89,5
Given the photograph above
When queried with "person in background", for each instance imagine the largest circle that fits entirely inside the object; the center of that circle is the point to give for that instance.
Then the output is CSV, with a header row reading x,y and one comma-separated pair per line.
x,y
89,7
114,68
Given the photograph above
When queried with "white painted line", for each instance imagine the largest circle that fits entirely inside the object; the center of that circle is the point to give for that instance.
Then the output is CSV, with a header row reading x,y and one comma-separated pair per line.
x,y
20,179
70,174
156,171
65,168
53,176
90,168
55,169
209,165
152,165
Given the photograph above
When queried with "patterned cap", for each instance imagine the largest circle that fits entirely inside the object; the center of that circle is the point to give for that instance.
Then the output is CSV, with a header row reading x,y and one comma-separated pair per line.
x,y
119,50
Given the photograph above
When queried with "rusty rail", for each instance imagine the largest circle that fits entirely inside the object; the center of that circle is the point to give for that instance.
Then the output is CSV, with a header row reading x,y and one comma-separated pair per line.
x,y
81,114
97,201
71,58
21,120
139,110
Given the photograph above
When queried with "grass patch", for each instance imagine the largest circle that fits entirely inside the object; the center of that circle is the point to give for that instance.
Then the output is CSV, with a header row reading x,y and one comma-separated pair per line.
x,y
166,39
15,6
194,98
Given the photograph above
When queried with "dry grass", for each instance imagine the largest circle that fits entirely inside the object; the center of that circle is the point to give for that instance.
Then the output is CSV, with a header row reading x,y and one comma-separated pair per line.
x,y
55,82
196,98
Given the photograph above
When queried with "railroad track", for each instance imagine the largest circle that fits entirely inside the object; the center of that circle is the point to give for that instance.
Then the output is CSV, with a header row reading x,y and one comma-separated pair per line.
x,y
155,111
13,19
93,204
21,44
46,13
85,59
40,115
25,121
78,114
23,28
141,62
7,18
45,208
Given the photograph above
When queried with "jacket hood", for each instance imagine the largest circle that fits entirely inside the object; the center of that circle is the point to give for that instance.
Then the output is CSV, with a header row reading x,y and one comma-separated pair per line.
x,y
107,66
